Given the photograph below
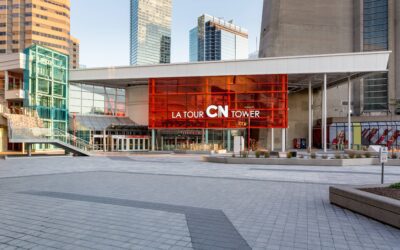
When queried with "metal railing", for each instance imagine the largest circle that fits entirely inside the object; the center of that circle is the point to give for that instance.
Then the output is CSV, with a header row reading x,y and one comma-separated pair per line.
x,y
50,135
72,140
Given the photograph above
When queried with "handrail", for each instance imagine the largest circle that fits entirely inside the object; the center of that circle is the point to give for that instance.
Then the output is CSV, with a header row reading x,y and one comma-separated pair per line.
x,y
72,140
48,134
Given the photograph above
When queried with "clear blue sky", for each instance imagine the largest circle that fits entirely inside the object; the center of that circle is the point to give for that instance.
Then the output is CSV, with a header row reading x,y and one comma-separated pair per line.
x,y
102,26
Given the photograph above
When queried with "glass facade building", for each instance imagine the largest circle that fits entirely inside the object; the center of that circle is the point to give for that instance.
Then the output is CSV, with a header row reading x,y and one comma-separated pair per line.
x,y
46,86
194,45
205,113
181,103
217,40
150,32
96,100
376,38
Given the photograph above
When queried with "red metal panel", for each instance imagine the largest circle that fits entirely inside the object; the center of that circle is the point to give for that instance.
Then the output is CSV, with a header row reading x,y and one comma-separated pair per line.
x,y
181,103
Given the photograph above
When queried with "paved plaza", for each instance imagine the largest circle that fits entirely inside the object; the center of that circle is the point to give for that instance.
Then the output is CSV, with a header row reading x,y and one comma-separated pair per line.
x,y
180,202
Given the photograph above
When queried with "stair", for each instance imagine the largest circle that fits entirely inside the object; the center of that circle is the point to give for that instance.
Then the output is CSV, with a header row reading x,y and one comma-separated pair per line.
x,y
28,128
59,139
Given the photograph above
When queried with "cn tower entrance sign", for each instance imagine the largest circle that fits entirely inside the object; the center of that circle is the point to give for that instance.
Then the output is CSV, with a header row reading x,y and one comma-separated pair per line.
x,y
214,111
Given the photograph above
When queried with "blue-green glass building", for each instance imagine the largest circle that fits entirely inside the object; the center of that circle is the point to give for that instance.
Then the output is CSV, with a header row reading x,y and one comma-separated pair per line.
x,y
46,79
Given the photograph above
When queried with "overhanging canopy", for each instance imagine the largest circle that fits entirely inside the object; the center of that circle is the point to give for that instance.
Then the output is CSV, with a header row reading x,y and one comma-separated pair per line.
x,y
301,69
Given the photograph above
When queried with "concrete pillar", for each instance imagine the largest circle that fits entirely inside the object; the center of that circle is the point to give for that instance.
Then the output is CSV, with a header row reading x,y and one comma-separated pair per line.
x,y
104,141
349,133
324,114
29,149
6,80
228,140
153,140
206,137
283,140
272,139
310,114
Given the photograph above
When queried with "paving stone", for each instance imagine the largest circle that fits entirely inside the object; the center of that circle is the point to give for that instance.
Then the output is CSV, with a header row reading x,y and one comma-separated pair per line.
x,y
269,207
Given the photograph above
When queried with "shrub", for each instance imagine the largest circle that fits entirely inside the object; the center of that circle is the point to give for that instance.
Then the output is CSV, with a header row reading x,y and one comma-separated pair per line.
x,y
233,155
289,155
313,156
258,154
368,155
352,155
267,154
394,156
338,156
396,185
358,156
325,157
364,148
244,154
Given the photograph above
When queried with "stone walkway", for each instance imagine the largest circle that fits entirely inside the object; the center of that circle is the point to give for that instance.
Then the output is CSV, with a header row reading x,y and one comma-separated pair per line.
x,y
180,202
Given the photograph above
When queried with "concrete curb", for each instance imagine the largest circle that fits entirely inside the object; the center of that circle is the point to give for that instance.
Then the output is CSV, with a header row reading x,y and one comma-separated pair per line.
x,y
38,157
377,207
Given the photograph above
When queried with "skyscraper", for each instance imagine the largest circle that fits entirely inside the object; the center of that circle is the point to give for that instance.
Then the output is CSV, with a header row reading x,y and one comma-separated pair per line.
x,y
215,39
28,22
293,27
74,53
150,31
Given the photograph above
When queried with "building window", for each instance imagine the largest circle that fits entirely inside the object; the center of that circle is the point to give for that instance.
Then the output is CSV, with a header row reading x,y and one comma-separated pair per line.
x,y
376,38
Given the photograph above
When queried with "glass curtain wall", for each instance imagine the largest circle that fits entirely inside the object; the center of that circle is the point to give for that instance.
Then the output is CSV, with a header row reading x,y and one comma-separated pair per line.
x,y
150,38
96,100
376,39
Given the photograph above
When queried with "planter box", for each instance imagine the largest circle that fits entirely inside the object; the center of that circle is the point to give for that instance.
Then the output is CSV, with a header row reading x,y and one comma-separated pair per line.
x,y
293,161
393,162
381,208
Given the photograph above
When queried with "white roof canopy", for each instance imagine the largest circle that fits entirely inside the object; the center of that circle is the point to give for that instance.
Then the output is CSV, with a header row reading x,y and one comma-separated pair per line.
x,y
301,69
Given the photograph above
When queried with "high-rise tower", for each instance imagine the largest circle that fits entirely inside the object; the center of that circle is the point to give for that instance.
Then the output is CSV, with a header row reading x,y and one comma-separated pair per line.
x,y
27,22
215,39
150,32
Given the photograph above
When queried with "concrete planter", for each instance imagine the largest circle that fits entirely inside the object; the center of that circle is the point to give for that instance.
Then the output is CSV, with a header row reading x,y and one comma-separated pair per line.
x,y
381,208
393,162
292,161
197,152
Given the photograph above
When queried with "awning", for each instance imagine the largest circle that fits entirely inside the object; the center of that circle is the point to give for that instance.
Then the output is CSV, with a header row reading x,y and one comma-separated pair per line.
x,y
100,123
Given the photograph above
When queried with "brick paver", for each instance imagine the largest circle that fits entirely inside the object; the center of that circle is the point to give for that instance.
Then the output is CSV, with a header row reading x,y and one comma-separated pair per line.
x,y
145,202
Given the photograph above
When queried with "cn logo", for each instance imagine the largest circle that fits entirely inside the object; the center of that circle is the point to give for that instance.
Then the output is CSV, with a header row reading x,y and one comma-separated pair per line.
x,y
214,111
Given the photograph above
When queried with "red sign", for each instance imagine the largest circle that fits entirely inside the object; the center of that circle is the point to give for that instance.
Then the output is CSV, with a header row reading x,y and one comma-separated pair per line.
x,y
218,102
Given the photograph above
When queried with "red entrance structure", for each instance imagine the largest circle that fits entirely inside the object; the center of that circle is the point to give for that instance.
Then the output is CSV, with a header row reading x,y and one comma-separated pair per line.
x,y
181,103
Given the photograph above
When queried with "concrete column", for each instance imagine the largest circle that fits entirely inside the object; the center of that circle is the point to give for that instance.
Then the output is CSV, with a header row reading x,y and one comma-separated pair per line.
x,y
104,141
29,149
283,140
310,115
324,114
228,140
153,140
206,137
272,139
6,80
349,133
